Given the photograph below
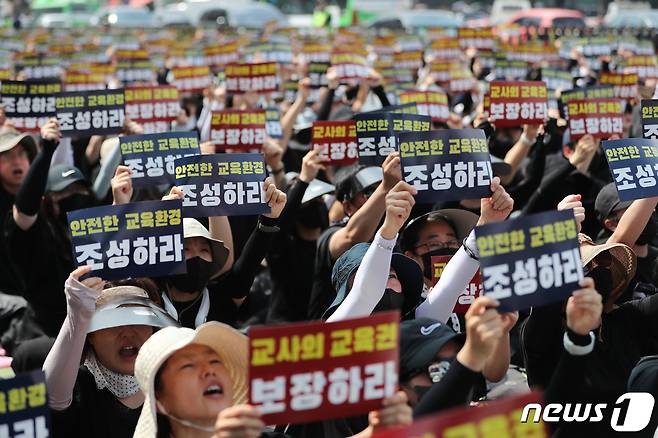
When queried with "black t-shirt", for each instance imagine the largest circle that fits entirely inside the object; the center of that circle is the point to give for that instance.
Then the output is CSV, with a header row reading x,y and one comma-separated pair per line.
x,y
292,262
94,413
10,280
42,255
187,311
323,292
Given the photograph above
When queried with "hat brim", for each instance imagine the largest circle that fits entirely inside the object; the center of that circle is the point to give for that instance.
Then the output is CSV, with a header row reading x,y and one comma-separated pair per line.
x,y
219,251
316,189
123,316
425,355
464,221
25,140
62,185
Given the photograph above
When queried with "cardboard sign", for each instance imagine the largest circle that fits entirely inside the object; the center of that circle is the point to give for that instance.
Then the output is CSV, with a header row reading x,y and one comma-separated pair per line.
x,y
586,93
135,70
350,66
151,156
222,184
625,85
634,166
556,79
444,48
24,406
153,107
87,113
237,129
191,79
243,78
472,291
317,73
335,141
497,419
446,165
533,53
376,133
140,239
29,104
443,71
39,67
517,102
600,118
461,81
315,52
280,53
530,261
649,116
429,103
316,371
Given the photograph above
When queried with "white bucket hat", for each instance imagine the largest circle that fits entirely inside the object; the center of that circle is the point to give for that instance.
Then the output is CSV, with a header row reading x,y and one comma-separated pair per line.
x,y
229,344
194,228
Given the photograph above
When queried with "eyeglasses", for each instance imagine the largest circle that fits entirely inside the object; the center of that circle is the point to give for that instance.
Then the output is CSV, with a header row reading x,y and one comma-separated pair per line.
x,y
433,245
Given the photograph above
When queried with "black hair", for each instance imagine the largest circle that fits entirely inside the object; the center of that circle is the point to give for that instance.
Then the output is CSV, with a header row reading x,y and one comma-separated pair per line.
x,y
345,183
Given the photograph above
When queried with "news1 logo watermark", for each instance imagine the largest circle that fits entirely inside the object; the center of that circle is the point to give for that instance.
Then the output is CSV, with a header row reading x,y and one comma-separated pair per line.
x,y
630,413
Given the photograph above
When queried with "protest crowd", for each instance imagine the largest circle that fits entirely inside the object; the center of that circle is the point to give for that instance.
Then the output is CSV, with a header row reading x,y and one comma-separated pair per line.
x,y
348,232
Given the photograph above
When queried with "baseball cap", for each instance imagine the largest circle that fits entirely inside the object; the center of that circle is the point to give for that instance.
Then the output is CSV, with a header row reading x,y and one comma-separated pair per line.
x,y
61,176
607,202
315,189
358,180
420,340
12,138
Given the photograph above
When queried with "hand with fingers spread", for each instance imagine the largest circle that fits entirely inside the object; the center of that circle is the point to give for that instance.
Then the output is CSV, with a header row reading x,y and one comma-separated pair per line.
x,y
584,308
50,131
582,156
274,197
573,202
311,165
81,295
484,328
174,193
497,207
392,171
399,202
273,153
394,412
122,185
304,89
207,148
239,421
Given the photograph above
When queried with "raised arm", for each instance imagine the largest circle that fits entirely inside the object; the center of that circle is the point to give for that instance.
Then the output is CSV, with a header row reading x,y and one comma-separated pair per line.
x,y
63,360
632,222
520,150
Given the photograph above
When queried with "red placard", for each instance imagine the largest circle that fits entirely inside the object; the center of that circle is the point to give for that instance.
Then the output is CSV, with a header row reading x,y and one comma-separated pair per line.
x,y
154,107
512,103
472,291
244,78
350,66
645,66
235,129
498,419
428,103
625,85
600,118
336,141
191,79
306,372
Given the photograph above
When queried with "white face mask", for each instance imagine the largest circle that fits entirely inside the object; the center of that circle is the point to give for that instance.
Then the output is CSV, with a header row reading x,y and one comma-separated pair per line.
x,y
121,385
187,423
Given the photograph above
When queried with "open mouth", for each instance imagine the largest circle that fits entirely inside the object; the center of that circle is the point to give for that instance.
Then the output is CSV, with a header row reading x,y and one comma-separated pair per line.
x,y
213,390
129,352
17,172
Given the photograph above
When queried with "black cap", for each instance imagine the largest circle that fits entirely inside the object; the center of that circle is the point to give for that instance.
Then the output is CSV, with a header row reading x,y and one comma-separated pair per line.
x,y
420,341
607,202
61,176
356,181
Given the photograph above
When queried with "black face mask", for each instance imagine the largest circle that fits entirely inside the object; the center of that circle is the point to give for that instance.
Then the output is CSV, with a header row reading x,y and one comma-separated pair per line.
x,y
391,300
602,281
421,391
649,232
313,215
427,259
196,278
303,136
76,201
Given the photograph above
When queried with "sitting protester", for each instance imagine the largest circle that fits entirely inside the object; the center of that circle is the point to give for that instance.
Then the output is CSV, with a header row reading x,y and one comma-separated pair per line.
x,y
103,330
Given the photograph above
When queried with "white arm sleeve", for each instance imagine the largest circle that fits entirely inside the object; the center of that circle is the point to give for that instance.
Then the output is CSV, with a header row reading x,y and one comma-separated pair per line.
x,y
369,283
63,361
455,277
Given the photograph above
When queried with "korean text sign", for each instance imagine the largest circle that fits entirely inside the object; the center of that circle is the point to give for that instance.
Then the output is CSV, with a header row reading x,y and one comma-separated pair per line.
x,y
24,408
429,103
625,85
192,79
238,129
649,118
350,66
472,291
517,102
243,78
376,133
151,156
530,261
222,184
140,239
154,107
634,167
86,113
446,165
335,141
496,419
317,371
29,103
599,118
